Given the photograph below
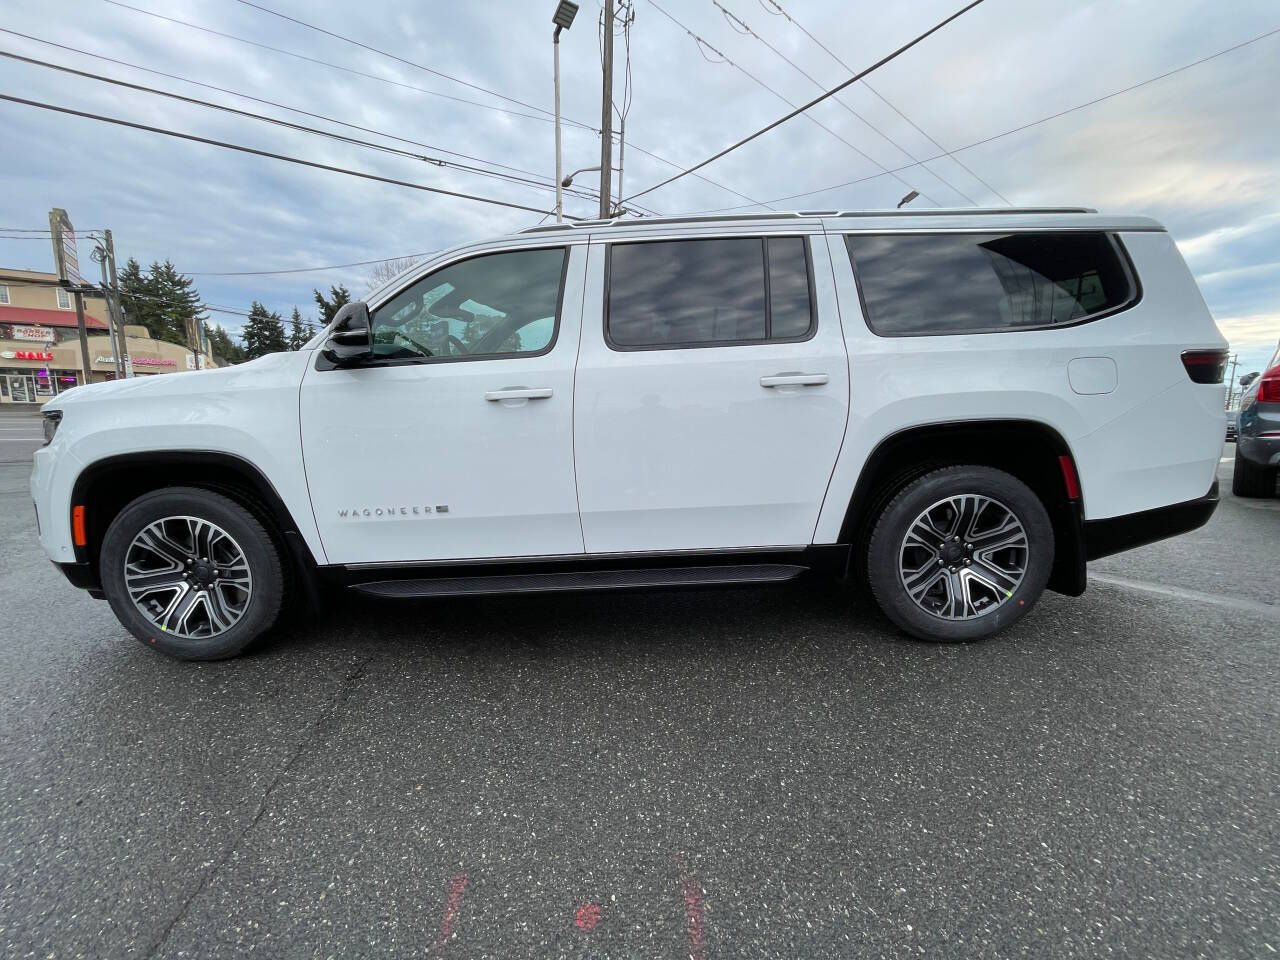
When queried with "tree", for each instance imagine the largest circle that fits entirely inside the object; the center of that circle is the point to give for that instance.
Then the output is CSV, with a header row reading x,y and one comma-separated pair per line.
x,y
222,346
388,269
338,297
162,300
298,334
263,333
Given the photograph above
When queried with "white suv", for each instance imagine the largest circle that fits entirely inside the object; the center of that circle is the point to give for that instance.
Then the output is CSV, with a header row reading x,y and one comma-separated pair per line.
x,y
958,407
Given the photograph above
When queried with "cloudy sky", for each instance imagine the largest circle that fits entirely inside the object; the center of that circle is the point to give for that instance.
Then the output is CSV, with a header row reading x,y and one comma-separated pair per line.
x,y
1200,150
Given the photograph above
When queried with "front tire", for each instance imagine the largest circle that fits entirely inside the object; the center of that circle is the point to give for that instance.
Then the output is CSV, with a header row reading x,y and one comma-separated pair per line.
x,y
960,553
191,573
1251,480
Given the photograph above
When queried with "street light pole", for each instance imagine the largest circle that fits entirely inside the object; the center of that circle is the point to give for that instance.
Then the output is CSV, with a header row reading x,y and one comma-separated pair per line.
x,y
606,116
563,19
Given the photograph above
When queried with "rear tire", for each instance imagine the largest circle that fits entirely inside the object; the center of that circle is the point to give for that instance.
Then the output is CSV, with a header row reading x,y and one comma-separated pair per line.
x,y
960,553
1252,480
191,573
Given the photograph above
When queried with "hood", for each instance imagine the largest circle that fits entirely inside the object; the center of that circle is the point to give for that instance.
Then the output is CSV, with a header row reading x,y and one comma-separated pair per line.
x,y
273,366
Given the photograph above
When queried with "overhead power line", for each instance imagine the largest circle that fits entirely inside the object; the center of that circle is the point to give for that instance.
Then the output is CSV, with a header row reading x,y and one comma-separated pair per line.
x,y
331,266
746,28
779,11
791,103
265,153
337,66
409,63
396,83
269,103
1029,124
355,141
816,100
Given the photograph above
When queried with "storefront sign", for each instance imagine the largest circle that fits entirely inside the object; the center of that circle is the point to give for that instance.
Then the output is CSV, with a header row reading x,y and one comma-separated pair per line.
x,y
26,355
38,334
141,361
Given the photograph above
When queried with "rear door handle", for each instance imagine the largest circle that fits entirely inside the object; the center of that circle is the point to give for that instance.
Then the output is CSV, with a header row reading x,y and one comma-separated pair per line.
x,y
519,393
795,380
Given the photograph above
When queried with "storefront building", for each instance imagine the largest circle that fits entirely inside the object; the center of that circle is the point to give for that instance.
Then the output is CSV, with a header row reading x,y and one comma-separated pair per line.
x,y
40,343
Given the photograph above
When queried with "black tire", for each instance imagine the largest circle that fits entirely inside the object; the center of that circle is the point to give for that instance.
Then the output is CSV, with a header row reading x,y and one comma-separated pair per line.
x,y
885,552
1252,480
260,554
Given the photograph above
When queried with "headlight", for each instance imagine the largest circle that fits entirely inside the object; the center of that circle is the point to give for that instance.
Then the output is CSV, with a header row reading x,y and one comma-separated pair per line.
x,y
51,420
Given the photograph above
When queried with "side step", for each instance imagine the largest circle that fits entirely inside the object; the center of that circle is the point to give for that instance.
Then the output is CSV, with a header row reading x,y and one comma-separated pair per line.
x,y
582,580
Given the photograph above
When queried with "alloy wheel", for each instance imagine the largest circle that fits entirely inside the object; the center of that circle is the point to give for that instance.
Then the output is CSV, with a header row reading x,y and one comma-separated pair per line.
x,y
963,557
188,576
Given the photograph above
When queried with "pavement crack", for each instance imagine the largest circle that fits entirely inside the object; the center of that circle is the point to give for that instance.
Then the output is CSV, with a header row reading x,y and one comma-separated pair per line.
x,y
339,698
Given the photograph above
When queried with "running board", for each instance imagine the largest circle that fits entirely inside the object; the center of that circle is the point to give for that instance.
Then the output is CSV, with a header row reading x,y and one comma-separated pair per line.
x,y
582,580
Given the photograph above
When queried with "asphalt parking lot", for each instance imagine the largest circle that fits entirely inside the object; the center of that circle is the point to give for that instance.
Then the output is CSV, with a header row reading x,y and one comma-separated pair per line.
x,y
746,773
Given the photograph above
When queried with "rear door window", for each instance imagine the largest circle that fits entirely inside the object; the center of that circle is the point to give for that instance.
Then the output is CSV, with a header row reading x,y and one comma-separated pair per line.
x,y
708,292
931,284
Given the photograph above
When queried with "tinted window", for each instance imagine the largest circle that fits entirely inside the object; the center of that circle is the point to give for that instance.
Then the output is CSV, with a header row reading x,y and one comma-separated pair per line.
x,y
691,292
788,287
916,285
495,305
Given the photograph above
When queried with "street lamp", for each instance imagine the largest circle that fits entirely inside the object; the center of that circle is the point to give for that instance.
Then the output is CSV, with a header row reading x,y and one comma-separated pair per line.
x,y
563,19
908,198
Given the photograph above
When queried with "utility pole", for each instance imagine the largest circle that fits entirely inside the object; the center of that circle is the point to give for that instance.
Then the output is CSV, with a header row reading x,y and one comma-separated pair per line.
x,y
1231,379
606,116
126,364
100,255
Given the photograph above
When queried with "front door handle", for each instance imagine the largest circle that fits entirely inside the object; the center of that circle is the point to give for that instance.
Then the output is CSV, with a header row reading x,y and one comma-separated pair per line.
x,y
519,393
795,380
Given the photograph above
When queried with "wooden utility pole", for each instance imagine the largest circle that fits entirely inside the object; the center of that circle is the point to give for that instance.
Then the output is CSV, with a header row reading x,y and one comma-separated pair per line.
x,y
606,117
122,349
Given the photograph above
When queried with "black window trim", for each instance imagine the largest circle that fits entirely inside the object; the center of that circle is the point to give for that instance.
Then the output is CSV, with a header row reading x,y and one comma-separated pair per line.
x,y
1126,264
322,363
768,300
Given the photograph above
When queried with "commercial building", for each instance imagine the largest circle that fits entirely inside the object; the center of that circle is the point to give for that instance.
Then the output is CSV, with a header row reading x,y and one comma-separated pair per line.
x,y
40,344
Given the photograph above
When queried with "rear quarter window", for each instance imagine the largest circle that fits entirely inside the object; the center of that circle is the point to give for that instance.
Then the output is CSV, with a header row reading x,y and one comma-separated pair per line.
x,y
935,284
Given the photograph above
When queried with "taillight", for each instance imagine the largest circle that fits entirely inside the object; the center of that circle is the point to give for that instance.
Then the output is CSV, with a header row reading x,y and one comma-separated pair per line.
x,y
1269,386
1205,366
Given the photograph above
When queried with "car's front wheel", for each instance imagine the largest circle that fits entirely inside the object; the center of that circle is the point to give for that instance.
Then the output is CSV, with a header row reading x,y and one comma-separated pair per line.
x,y
191,573
960,553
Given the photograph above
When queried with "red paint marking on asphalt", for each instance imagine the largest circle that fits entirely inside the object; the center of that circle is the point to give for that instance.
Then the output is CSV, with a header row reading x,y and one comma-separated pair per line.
x,y
457,887
587,917
694,914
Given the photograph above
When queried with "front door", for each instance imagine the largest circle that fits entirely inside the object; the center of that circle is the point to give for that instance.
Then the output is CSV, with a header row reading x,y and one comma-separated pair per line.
x,y
455,441
21,389
712,393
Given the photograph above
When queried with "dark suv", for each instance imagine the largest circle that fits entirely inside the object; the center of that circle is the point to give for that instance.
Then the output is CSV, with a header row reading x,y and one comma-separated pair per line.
x,y
1258,443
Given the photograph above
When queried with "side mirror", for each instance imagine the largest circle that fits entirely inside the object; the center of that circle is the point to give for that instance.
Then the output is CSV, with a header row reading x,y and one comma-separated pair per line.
x,y
1247,379
351,338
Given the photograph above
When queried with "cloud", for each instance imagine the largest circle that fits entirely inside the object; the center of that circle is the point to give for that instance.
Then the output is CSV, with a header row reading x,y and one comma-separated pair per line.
x,y
1193,150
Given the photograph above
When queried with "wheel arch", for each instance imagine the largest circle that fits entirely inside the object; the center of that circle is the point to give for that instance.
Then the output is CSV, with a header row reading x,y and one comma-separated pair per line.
x,y
1027,449
104,487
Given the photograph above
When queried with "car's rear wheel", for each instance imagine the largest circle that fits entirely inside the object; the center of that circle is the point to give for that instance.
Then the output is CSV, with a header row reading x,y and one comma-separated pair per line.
x,y
960,553
1251,479
191,573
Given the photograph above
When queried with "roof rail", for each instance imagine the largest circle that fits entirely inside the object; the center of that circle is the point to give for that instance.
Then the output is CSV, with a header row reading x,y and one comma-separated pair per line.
x,y
803,214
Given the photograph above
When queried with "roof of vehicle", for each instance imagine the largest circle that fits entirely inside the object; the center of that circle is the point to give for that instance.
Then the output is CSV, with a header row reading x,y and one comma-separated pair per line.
x,y
882,219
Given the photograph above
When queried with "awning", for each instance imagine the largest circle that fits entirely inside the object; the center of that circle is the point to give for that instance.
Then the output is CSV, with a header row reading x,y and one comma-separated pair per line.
x,y
35,316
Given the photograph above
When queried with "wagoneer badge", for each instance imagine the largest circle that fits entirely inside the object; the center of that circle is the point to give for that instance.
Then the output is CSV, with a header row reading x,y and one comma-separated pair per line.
x,y
390,513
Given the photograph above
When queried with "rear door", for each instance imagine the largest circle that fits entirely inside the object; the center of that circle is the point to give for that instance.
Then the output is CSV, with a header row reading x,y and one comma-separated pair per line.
x,y
712,392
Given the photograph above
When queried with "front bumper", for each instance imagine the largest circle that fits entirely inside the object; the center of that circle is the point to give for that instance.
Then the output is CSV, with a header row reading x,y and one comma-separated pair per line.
x,y
82,575
1115,534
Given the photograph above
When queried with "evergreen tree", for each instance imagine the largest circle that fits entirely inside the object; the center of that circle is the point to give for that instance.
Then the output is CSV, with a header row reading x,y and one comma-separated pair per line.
x,y
338,296
222,346
298,332
162,300
263,333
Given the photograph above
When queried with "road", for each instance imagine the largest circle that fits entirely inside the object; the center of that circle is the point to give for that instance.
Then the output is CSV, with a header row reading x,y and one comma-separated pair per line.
x,y
20,433
746,773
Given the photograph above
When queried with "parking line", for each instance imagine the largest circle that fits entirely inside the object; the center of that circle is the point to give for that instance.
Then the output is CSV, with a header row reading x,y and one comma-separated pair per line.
x,y
1267,610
